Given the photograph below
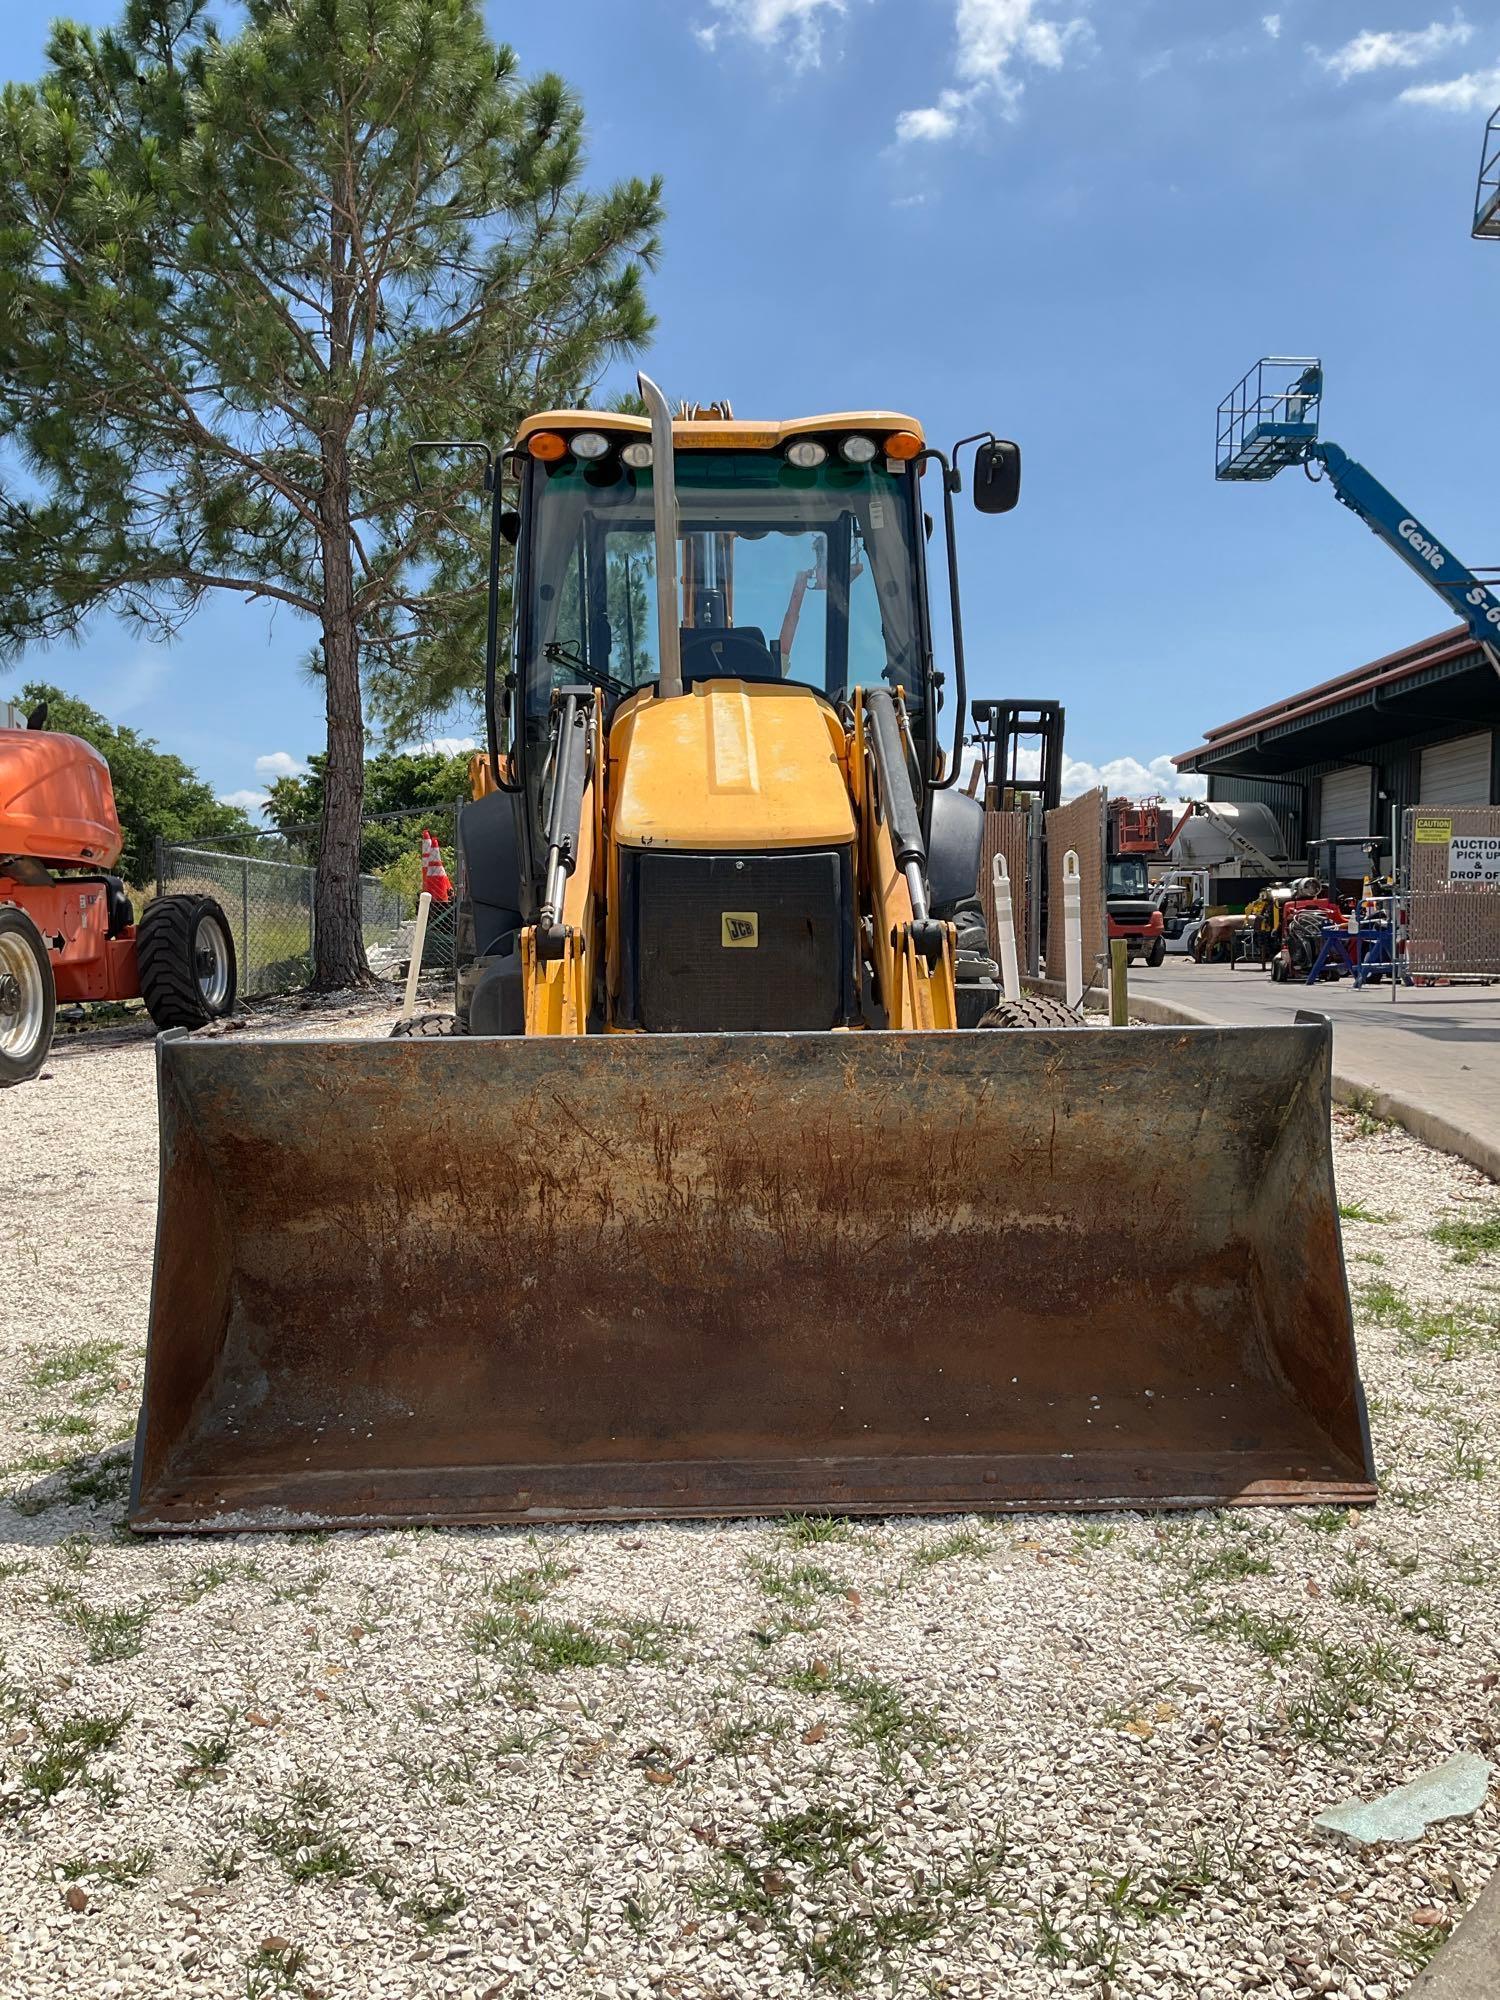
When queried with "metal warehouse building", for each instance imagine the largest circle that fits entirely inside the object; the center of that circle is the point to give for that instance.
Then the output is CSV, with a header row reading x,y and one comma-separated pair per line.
x,y
1420,727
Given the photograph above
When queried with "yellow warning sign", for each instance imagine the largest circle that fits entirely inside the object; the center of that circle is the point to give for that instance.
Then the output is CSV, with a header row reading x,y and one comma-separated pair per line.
x,y
1434,829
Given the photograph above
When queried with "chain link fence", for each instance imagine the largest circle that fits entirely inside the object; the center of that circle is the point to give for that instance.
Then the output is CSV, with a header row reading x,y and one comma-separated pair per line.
x,y
1450,874
264,883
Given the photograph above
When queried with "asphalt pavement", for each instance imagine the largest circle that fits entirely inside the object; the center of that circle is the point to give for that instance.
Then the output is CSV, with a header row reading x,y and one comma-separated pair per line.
x,y
1430,1060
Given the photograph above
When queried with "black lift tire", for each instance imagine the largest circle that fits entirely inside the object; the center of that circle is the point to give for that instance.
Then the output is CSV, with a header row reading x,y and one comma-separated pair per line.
x,y
185,953
1032,1010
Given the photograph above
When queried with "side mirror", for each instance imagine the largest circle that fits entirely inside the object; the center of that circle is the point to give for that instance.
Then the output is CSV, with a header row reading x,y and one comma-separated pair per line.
x,y
997,476
510,525
38,717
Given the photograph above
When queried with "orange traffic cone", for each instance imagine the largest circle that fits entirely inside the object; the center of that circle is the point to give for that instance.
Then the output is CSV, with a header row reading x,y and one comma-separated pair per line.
x,y
434,874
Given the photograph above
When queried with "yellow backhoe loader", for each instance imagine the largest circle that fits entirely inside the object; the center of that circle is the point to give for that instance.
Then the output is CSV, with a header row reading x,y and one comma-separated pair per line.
x,y
712,1196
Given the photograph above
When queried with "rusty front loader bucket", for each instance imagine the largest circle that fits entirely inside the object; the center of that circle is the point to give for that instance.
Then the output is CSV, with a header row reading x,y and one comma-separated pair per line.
x,y
530,1280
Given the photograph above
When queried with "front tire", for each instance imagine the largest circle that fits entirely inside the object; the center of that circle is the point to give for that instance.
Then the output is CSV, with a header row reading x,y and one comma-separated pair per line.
x,y
28,998
1032,1010
185,954
422,1025
1158,952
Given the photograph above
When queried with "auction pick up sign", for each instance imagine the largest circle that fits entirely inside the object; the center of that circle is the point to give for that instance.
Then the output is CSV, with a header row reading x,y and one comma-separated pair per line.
x,y
1474,860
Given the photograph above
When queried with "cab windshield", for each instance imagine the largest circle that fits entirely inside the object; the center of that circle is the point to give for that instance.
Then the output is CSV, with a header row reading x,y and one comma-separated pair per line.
x,y
784,573
1127,877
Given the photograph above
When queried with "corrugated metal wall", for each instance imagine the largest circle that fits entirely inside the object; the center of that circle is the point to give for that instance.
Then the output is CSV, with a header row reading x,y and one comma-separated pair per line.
x,y
1294,798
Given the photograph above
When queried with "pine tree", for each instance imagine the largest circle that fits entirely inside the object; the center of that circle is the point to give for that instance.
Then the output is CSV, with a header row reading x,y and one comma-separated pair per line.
x,y
238,275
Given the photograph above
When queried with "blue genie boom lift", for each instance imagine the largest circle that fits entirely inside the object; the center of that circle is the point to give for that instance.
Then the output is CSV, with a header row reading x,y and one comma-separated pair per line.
x,y
1269,420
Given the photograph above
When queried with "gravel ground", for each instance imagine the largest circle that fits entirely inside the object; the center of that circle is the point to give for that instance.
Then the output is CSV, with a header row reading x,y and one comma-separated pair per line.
x,y
1027,1757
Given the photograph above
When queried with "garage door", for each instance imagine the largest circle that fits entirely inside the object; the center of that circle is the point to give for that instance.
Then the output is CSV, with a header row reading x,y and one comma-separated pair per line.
x,y
1457,773
1344,804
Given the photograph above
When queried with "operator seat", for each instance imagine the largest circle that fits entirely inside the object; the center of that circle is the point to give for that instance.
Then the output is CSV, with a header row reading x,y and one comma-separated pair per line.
x,y
727,652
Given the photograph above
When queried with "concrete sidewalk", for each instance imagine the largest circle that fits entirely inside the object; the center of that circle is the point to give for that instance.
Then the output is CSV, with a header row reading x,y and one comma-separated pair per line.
x,y
1431,1061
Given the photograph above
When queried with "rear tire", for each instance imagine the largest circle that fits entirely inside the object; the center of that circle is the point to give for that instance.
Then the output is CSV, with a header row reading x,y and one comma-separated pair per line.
x,y
185,953
28,998
1158,952
1032,1010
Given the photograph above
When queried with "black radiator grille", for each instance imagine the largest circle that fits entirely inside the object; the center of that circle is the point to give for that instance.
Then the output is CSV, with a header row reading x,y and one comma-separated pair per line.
x,y
738,943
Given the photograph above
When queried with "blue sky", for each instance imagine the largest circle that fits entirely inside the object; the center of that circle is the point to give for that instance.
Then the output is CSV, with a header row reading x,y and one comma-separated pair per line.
x,y
1076,224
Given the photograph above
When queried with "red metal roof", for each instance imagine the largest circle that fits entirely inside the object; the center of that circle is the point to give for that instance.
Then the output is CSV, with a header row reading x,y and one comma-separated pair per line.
x,y
1377,673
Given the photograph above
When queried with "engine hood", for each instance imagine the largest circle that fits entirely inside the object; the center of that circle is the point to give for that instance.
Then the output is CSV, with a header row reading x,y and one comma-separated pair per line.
x,y
750,765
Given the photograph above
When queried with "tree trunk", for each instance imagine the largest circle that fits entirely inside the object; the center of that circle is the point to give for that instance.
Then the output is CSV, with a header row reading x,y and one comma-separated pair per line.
x,y
338,936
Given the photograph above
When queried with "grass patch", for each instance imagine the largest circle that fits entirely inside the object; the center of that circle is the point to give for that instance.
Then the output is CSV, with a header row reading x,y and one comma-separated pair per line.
x,y
818,1879
547,1645
1452,1332
134,1865
1355,1211
528,1586
1469,1237
1228,1565
61,1757
880,1718
736,1737
651,1640
1273,1638
85,1361
952,1547
1465,1460
1382,1304
273,1969
1326,1520
114,1634
813,1531
208,1758
434,1904
797,1586
1094,1535
302,1837
214,1575
1351,1687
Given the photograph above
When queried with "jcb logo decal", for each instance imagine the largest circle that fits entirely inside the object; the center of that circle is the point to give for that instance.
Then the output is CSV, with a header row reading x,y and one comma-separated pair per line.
x,y
741,930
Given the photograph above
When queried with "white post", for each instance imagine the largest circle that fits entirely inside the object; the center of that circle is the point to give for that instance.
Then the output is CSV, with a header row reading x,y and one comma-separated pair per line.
x,y
1005,931
414,970
1072,929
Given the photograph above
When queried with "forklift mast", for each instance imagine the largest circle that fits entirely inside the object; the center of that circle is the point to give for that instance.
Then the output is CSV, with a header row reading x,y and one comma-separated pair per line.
x,y
1003,733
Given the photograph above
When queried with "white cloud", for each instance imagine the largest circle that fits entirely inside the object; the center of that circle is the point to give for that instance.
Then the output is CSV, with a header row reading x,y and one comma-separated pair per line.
x,y
934,121
1130,778
1479,90
246,801
1121,777
795,25
1272,25
280,764
995,38
447,746
1395,48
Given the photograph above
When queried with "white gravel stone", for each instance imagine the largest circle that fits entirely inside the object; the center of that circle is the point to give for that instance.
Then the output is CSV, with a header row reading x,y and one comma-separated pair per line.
x,y
1037,1756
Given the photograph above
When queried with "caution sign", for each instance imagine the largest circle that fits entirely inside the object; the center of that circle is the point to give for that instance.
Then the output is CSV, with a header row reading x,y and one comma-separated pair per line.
x,y
1474,860
1433,829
